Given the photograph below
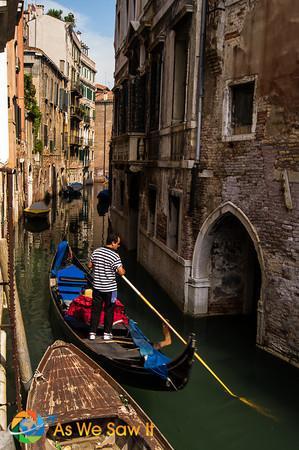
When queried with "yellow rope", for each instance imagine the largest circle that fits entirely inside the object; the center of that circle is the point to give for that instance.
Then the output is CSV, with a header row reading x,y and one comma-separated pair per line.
x,y
247,402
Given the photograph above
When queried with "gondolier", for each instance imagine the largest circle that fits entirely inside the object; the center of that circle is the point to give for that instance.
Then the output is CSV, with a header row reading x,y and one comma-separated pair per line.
x,y
105,263
130,357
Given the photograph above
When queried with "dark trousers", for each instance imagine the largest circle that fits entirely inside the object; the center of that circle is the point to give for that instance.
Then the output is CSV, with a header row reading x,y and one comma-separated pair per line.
x,y
97,304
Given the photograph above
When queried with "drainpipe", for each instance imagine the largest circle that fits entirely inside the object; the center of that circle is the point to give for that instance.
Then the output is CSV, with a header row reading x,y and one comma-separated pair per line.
x,y
200,90
201,75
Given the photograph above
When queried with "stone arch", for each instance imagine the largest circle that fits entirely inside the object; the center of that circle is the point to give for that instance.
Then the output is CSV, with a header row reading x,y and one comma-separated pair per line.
x,y
200,282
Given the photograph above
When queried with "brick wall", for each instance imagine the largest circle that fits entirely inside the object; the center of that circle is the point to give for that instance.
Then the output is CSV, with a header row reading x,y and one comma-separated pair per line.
x,y
249,173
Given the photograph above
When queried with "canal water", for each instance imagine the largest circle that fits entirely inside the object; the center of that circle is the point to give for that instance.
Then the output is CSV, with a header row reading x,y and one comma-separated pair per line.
x,y
202,416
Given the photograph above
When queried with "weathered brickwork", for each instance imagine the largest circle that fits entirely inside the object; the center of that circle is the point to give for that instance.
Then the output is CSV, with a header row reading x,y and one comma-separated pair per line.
x,y
249,173
235,194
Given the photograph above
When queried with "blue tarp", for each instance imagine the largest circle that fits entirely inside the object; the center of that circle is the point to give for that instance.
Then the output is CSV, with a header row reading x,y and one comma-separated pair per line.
x,y
61,249
154,360
71,281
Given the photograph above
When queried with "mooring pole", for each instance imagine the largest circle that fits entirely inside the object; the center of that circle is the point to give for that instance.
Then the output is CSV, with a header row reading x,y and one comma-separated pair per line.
x,y
21,359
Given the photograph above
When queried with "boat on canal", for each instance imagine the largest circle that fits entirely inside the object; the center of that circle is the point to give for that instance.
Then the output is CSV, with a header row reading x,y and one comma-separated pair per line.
x,y
38,210
82,407
72,190
129,356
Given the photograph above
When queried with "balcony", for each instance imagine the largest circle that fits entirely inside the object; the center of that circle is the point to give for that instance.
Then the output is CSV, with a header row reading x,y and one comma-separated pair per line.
x,y
86,119
76,88
77,113
129,147
76,140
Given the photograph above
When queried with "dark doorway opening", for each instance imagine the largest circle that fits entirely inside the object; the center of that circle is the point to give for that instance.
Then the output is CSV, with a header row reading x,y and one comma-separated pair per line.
x,y
234,269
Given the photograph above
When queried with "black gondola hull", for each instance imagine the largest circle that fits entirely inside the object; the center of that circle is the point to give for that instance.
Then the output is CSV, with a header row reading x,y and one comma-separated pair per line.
x,y
126,372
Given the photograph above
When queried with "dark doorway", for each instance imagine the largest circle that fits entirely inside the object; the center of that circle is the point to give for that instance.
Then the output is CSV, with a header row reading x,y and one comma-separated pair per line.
x,y
234,271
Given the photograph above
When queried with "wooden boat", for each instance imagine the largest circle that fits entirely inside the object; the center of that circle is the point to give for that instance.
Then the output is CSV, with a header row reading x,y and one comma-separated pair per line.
x,y
38,210
84,408
72,190
121,356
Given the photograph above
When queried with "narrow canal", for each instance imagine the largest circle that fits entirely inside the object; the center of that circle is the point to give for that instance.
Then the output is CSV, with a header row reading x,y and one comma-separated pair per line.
x,y
202,416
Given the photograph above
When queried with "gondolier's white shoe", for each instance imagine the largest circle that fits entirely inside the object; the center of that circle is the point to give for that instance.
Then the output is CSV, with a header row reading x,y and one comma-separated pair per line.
x,y
107,336
92,336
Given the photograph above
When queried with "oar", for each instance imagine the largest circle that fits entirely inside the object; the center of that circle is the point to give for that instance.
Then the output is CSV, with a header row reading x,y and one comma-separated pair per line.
x,y
225,387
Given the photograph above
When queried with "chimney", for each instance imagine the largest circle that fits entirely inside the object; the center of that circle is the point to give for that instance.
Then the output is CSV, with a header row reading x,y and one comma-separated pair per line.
x,y
40,10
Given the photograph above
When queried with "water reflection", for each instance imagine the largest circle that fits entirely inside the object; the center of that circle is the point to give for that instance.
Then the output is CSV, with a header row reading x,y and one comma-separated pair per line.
x,y
202,416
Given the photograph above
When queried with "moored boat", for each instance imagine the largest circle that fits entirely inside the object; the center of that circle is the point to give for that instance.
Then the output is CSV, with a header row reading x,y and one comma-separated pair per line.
x,y
104,196
37,210
72,190
82,407
129,356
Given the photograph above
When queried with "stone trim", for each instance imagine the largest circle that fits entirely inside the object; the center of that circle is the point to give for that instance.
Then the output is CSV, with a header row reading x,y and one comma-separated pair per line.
x,y
199,282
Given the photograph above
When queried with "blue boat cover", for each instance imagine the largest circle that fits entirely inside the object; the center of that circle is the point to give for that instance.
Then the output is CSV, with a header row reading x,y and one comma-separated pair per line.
x,y
154,360
71,274
61,249
71,281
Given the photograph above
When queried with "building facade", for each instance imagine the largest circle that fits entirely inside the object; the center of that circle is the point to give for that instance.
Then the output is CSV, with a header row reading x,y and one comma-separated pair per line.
x,y
205,157
62,45
87,104
12,116
47,162
103,131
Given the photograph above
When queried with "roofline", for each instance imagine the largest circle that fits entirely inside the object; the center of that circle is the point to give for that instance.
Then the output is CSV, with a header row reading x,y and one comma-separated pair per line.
x,y
36,50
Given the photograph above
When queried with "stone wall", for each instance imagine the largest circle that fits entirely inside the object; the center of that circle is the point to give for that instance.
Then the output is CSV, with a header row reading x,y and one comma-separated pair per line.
x,y
259,174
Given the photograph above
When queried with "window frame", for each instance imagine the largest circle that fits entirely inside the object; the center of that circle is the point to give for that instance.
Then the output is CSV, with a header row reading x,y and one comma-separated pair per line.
x,y
178,194
151,226
227,128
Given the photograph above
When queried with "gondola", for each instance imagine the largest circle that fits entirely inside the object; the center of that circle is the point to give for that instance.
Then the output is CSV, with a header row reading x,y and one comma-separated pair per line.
x,y
121,356
38,210
72,190
79,406
104,196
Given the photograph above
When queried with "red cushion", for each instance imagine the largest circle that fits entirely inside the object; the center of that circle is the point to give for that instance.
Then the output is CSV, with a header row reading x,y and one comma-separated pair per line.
x,y
80,308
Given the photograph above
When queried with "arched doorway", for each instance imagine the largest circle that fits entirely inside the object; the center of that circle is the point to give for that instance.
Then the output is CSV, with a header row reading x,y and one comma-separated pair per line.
x,y
227,267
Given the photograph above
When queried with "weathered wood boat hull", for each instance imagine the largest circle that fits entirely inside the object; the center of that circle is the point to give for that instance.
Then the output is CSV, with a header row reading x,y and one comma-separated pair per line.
x,y
72,389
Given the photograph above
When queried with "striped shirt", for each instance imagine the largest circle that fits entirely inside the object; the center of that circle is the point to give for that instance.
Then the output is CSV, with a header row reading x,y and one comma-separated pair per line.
x,y
105,263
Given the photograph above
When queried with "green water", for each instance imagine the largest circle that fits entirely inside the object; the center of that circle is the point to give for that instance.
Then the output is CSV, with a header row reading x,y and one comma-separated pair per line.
x,y
202,416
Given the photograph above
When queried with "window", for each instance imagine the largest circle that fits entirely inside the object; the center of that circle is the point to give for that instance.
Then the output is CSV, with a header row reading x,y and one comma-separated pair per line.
x,y
88,93
52,91
174,221
46,86
113,189
180,68
56,92
239,110
156,75
122,194
242,107
45,135
118,29
152,202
